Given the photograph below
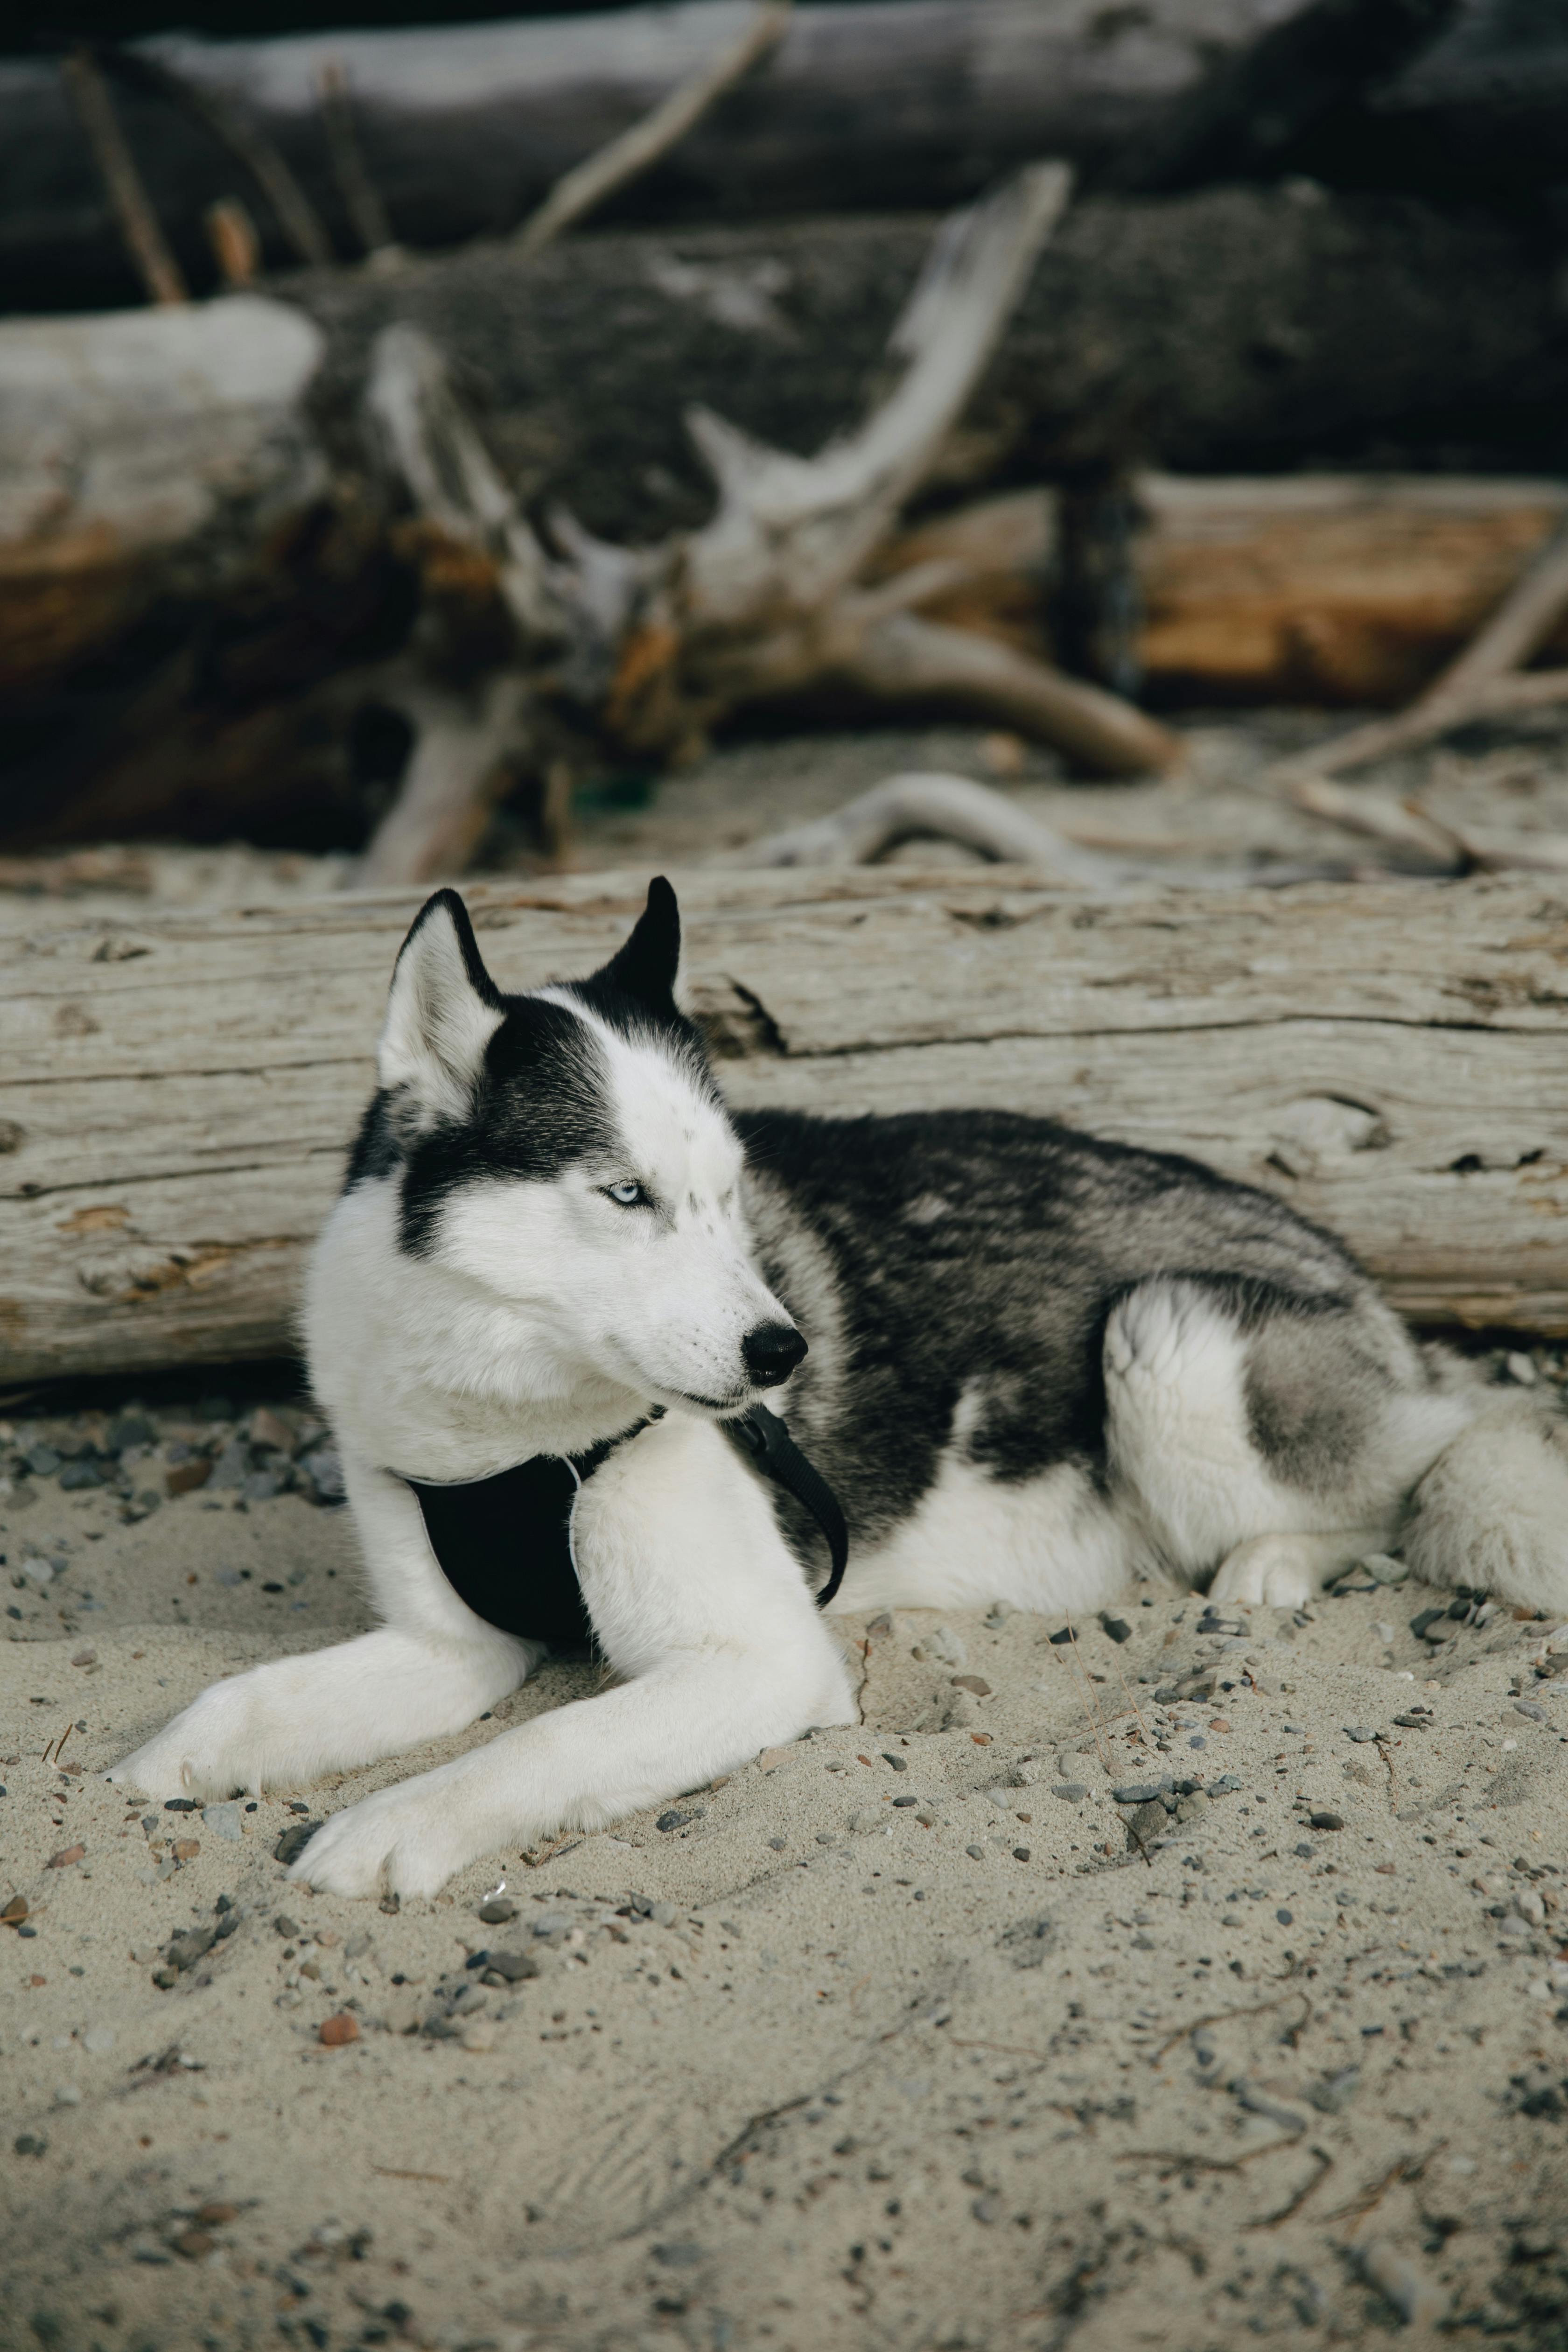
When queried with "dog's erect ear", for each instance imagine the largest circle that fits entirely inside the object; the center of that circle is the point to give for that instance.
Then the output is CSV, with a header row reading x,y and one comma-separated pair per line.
x,y
442,1013
649,965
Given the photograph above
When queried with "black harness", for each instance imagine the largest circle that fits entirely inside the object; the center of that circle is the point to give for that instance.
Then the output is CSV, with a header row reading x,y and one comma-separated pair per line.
x,y
504,1544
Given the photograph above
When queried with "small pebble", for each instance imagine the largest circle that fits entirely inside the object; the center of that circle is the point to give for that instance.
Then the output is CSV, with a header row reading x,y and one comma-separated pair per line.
x,y
495,1909
513,1966
1322,1821
339,2031
899,1763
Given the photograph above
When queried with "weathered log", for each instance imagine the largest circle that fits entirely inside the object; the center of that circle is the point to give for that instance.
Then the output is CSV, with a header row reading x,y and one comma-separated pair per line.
x,y
1236,330
1307,588
144,458
465,127
178,1090
1213,332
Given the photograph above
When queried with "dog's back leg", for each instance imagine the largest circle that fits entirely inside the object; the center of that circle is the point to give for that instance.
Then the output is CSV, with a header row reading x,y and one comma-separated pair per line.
x,y
1269,1435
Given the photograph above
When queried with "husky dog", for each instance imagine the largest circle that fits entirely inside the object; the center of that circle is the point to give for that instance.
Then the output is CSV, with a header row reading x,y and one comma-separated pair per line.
x,y
1040,1366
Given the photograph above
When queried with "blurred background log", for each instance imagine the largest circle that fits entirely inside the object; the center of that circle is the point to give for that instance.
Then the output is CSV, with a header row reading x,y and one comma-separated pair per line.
x,y
464,128
184,620
178,1092
1308,588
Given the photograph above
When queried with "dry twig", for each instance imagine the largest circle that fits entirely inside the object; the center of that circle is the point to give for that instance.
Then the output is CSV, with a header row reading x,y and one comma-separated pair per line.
x,y
362,197
138,223
917,807
585,187
232,128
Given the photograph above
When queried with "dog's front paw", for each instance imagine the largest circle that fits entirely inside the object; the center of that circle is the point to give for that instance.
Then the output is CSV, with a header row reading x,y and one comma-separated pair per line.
x,y
406,1840
209,1751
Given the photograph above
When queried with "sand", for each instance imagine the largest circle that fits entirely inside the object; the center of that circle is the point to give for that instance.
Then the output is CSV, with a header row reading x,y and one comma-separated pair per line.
x,y
807,2068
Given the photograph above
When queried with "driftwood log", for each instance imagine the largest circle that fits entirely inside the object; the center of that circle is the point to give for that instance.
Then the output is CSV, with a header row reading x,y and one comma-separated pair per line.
x,y
463,127
1315,588
178,1092
1209,333
173,652
1233,330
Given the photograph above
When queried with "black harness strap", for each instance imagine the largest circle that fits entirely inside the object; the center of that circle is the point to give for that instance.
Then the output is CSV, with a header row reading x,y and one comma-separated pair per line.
x,y
776,1455
504,1544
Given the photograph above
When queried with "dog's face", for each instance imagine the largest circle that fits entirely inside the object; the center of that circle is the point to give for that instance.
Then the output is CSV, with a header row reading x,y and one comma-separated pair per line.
x,y
566,1153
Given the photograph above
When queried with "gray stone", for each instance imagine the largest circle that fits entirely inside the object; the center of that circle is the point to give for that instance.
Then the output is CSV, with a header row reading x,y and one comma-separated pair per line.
x,y
1071,1792
233,1464
127,1429
512,1966
223,1821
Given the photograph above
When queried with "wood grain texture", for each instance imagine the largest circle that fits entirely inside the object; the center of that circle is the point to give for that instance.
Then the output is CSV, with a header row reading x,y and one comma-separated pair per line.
x,y
177,1093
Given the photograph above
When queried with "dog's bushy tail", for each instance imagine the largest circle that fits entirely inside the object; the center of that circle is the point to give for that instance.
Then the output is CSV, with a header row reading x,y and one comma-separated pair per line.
x,y
1493,1511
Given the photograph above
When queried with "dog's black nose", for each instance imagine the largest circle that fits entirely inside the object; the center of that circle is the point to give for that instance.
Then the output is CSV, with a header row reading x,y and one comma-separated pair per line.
x,y
771,1352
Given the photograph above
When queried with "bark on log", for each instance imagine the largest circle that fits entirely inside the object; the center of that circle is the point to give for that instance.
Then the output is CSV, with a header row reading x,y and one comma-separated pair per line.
x,y
178,1091
464,128
1233,331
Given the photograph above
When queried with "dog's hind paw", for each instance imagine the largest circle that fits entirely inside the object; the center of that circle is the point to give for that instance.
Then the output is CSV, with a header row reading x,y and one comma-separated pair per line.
x,y
1269,1569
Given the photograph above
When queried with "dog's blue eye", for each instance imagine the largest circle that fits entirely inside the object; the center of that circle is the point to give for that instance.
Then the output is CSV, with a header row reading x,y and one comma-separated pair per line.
x,y
627,1196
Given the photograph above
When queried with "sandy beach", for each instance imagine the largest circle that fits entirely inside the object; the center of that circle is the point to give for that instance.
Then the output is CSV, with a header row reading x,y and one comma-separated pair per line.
x,y
1189,1980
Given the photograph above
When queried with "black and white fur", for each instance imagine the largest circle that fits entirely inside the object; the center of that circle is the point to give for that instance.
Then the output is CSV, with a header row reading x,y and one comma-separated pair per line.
x,y
1040,1366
